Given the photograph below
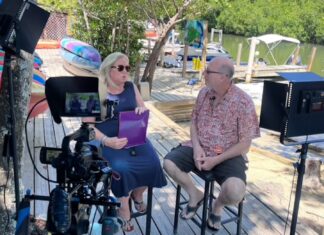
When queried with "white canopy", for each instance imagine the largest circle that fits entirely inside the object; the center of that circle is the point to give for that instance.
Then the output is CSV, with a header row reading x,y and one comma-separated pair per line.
x,y
272,38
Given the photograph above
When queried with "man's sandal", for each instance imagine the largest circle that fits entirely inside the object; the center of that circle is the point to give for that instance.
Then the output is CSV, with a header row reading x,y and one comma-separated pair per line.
x,y
214,222
190,211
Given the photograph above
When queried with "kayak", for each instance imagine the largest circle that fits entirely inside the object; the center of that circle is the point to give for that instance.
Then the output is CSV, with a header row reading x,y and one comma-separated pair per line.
x,y
80,54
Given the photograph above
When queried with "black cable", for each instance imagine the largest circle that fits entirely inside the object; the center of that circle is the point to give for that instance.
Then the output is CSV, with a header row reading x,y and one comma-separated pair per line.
x,y
28,147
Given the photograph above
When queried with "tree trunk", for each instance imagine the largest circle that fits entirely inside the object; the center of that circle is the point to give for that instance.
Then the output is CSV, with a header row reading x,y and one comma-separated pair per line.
x,y
22,77
153,58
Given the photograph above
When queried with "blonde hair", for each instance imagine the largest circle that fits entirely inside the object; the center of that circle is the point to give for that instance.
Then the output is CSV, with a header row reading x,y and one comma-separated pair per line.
x,y
106,66
105,80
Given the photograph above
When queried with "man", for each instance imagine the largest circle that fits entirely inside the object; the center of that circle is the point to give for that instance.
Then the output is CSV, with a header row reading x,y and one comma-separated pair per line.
x,y
224,122
75,105
91,104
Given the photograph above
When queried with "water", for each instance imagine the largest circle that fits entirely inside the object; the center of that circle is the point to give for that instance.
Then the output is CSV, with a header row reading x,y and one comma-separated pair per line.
x,y
282,52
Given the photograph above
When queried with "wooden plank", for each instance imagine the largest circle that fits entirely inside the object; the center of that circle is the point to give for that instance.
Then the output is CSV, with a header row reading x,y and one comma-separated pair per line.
x,y
40,187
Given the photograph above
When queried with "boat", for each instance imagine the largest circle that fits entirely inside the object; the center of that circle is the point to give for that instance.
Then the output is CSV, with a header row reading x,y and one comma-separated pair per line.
x,y
213,50
273,42
79,71
79,56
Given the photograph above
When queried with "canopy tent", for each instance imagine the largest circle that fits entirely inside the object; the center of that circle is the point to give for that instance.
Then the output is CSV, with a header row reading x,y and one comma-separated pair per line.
x,y
273,40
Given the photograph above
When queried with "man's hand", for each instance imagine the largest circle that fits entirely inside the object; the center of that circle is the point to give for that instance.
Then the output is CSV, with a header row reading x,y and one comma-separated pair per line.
x,y
208,163
199,153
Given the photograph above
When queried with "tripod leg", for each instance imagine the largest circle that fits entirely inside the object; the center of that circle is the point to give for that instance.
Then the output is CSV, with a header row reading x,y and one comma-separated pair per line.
x,y
299,186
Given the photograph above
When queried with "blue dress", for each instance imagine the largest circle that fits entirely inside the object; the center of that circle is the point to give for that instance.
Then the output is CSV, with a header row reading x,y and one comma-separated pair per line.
x,y
143,169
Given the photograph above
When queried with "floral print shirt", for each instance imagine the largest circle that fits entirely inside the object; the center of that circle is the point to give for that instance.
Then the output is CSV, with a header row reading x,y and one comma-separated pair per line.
x,y
224,123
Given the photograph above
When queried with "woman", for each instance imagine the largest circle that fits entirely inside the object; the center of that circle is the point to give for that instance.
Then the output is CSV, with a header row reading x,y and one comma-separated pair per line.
x,y
139,166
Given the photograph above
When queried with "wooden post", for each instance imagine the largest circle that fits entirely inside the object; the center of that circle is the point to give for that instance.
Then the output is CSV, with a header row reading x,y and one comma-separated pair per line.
x,y
127,42
184,66
239,54
296,55
212,35
204,50
310,64
113,39
248,75
220,36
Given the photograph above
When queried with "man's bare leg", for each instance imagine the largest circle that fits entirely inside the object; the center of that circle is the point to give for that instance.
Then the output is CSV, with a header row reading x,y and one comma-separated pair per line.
x,y
232,193
185,181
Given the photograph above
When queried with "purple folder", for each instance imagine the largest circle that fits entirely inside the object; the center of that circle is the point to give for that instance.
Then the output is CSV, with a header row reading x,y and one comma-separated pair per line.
x,y
133,126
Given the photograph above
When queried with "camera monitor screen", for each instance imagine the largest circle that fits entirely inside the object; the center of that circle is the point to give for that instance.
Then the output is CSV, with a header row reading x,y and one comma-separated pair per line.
x,y
82,104
72,97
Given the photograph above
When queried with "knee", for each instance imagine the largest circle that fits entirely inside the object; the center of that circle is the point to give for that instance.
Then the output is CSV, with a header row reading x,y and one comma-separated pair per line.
x,y
232,191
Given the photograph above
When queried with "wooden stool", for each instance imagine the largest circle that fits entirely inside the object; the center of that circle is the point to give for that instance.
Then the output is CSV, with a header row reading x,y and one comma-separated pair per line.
x,y
208,199
148,211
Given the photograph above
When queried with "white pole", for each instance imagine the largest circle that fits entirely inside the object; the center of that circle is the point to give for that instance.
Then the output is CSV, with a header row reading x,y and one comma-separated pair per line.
x,y
172,41
220,36
212,35
248,75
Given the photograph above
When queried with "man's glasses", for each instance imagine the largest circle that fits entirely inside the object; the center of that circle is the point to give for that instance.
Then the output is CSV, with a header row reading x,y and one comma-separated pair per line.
x,y
120,68
209,72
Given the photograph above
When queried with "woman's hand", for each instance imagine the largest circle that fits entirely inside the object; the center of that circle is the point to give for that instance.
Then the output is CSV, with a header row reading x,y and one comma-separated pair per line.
x,y
140,110
115,143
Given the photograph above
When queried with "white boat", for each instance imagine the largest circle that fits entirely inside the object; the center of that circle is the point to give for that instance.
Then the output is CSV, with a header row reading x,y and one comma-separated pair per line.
x,y
272,42
213,50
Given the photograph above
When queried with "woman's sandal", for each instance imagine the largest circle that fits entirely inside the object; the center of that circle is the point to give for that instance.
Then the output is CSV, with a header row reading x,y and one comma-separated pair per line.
x,y
127,225
214,222
191,210
139,206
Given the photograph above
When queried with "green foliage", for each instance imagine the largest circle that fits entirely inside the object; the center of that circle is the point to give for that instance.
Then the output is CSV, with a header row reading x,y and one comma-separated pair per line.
x,y
302,19
104,17
59,5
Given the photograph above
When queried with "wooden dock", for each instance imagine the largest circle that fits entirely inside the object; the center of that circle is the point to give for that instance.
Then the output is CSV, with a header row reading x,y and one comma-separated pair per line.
x,y
259,216
269,181
268,71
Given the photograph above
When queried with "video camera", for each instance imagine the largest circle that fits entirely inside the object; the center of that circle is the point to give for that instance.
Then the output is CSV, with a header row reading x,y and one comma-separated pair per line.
x,y
81,171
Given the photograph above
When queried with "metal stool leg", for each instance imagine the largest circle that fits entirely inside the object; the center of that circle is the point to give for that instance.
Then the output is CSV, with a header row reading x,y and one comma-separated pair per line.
x,y
205,208
240,216
176,212
149,211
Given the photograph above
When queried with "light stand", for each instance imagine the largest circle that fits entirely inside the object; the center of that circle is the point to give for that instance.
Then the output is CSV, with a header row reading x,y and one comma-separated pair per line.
x,y
21,25
11,144
294,108
301,171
